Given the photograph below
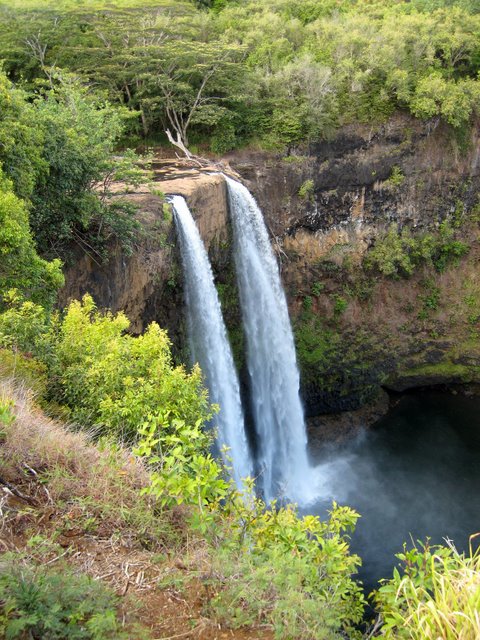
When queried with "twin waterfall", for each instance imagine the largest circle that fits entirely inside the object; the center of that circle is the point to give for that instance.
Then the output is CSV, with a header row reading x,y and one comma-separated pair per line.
x,y
281,463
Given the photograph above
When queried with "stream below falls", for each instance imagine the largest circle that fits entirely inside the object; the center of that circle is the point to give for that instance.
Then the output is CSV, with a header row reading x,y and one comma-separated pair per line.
x,y
415,474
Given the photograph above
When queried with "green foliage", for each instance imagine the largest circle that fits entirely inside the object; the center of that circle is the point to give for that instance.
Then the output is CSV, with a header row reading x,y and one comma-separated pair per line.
x,y
79,135
398,253
20,265
115,381
396,178
38,602
56,148
25,369
340,305
306,191
317,288
390,255
448,249
307,303
275,71
6,414
273,566
25,326
184,471
21,141
315,343
290,572
437,595
431,299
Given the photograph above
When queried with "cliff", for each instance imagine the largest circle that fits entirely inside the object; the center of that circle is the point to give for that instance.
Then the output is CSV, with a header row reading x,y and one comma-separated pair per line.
x,y
358,327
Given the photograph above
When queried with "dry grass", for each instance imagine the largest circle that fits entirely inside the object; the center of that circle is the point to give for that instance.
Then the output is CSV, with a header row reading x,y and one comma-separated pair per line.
x,y
38,442
89,487
85,511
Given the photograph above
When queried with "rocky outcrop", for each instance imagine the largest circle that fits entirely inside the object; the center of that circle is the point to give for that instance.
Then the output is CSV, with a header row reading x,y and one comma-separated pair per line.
x,y
401,171
358,330
147,284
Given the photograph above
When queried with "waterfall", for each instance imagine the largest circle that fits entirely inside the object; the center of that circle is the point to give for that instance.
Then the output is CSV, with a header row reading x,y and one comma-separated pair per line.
x,y
277,410
209,343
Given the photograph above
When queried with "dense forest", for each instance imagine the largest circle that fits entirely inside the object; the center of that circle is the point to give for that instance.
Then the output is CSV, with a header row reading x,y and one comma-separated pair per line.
x,y
87,88
267,73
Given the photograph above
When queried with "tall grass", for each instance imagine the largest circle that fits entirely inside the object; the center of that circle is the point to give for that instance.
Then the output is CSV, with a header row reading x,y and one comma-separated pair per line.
x,y
438,598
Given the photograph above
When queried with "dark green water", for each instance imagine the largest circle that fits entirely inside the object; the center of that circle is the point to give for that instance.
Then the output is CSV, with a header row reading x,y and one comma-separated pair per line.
x,y
415,475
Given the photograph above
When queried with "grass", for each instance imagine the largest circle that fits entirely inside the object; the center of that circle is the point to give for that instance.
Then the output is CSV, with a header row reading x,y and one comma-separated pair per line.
x,y
441,602
443,370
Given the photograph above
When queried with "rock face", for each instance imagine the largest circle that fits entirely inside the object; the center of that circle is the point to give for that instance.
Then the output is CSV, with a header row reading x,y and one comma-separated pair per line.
x,y
356,328
147,285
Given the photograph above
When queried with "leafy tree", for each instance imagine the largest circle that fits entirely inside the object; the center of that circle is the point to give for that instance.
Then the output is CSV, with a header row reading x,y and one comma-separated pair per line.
x,y
195,80
20,140
281,71
67,202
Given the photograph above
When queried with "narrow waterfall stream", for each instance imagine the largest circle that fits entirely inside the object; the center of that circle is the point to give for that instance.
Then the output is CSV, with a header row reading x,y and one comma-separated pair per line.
x,y
209,344
274,378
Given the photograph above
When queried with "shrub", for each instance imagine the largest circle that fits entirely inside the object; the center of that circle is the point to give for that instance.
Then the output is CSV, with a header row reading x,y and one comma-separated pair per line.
x,y
317,288
390,254
306,191
24,325
307,303
340,305
26,370
37,602
396,178
184,471
398,253
290,572
115,382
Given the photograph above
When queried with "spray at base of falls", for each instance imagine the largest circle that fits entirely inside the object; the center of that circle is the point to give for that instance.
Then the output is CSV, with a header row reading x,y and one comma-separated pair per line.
x,y
209,344
272,366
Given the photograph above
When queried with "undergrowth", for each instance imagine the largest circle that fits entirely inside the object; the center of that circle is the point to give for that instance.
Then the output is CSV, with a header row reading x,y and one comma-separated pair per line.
x,y
41,602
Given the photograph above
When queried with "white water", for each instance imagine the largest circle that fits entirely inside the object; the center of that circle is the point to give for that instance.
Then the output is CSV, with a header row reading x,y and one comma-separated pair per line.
x,y
209,344
277,410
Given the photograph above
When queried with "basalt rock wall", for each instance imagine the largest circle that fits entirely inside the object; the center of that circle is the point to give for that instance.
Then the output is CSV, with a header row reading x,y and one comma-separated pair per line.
x,y
357,328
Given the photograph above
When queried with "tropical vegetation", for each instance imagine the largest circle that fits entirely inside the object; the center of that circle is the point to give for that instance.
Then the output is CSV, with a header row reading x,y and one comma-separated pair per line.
x,y
82,84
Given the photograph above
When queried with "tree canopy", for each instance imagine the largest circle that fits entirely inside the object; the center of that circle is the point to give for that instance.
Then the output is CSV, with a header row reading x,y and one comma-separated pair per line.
x,y
275,71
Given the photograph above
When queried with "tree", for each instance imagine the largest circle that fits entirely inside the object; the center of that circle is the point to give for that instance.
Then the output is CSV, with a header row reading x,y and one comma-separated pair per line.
x,y
194,82
80,132
21,141
21,268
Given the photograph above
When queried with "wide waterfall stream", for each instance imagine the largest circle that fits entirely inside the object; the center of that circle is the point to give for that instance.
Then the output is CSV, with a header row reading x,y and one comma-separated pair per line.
x,y
271,359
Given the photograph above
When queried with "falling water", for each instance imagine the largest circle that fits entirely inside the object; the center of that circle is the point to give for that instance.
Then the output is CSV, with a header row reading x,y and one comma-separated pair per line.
x,y
209,343
277,410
